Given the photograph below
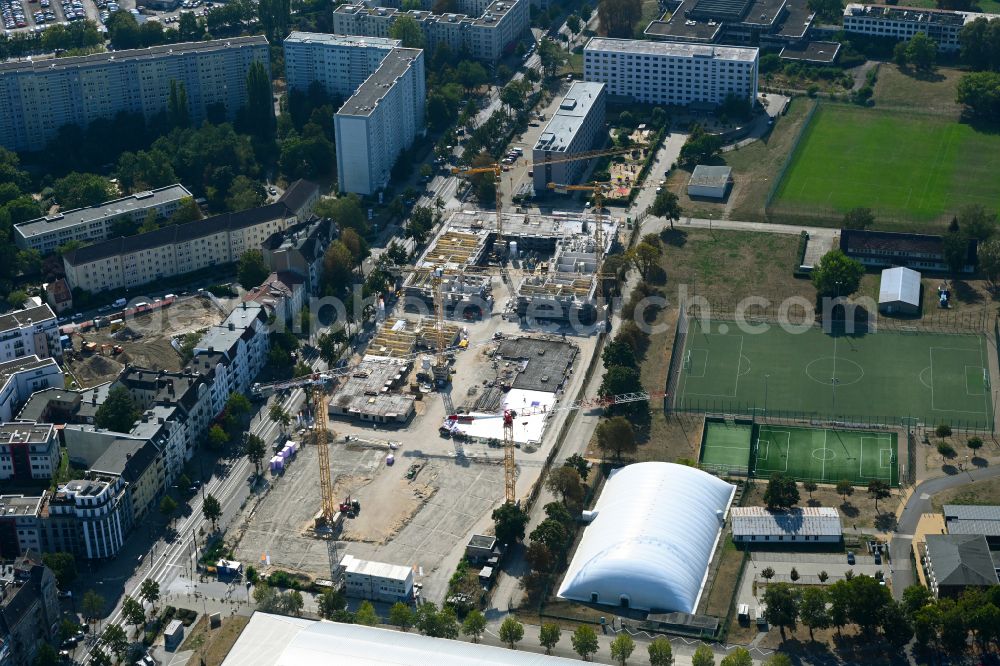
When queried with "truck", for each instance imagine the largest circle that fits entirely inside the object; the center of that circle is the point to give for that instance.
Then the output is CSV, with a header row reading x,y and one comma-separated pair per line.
x,y
119,303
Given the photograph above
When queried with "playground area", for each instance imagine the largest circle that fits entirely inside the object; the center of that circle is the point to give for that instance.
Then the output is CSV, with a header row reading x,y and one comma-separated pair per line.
x,y
886,378
823,455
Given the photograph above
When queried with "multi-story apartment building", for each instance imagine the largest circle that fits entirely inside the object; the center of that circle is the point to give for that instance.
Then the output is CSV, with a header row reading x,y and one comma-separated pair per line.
x,y
28,451
37,97
385,110
87,517
230,355
173,250
89,225
20,525
902,23
500,23
29,610
30,331
299,250
140,463
22,377
574,128
671,72
379,121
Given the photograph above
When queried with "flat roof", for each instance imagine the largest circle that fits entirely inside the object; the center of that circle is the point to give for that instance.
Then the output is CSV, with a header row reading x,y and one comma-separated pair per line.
x,y
25,432
674,49
679,27
568,118
151,53
711,176
798,19
544,363
913,14
377,86
26,317
113,208
19,505
24,364
361,567
354,41
762,12
820,52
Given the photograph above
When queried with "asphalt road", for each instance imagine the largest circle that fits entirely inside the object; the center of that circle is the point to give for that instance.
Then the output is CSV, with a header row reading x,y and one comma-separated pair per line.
x,y
920,503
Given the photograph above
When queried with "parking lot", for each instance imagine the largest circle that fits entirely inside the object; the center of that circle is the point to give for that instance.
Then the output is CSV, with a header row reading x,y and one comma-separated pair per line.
x,y
38,14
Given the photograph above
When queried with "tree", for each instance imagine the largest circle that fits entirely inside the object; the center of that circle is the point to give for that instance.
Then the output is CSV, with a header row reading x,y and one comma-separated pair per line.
x,y
666,205
244,194
217,437
133,613
896,627
738,657
921,51
622,647
178,109
338,265
256,449
782,602
767,573
778,659
471,75
915,597
435,623
92,605
167,506
579,463
475,624
781,492
539,557
837,275
509,521
616,434
511,631
793,574
618,17
618,352
212,510
661,652
956,247
980,93
823,576
407,30
646,258
812,609
260,105
859,218
845,487
332,601
46,655
98,657
16,299
188,28
878,489
292,603
566,482
119,412
149,591
977,222
810,487
703,656
252,270
585,641
549,635
866,601
700,146
366,615
63,566
280,415
116,640
552,56
554,535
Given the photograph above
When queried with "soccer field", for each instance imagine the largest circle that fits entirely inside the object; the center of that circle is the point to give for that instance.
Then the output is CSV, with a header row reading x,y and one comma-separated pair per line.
x,y
877,377
907,168
825,456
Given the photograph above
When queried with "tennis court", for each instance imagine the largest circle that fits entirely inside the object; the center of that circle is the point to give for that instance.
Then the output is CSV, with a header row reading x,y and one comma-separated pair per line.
x,y
860,377
826,456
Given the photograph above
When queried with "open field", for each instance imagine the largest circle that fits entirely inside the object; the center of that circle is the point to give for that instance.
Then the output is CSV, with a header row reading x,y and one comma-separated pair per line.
x,y
986,6
754,168
212,646
934,93
878,377
914,170
986,491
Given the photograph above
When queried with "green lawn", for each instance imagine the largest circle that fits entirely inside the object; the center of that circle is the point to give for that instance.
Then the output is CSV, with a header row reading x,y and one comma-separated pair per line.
x,y
985,6
915,171
875,377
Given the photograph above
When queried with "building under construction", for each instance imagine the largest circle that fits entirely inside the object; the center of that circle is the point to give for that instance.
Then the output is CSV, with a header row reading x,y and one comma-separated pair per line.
x,y
374,392
555,257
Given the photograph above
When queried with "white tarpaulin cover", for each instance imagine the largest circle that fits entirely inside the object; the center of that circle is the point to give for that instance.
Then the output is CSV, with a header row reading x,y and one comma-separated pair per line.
x,y
651,541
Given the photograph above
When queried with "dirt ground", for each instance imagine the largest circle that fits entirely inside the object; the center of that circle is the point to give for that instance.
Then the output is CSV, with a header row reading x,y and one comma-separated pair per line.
x,y
980,492
858,511
971,299
388,503
145,342
211,646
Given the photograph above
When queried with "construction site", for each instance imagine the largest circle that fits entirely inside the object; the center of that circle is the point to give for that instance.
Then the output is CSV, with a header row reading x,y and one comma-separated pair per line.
x,y
96,351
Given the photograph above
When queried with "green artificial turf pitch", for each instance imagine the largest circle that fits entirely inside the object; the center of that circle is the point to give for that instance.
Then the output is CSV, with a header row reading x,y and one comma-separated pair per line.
x,y
825,456
878,377
726,445
904,167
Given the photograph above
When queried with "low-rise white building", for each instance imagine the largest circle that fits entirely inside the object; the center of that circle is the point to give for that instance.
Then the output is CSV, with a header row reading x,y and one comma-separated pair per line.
x,y
88,225
30,331
28,451
671,73
22,377
711,182
376,581
903,23
757,524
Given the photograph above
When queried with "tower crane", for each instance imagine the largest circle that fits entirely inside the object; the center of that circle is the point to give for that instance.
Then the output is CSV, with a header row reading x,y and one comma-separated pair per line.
x,y
509,415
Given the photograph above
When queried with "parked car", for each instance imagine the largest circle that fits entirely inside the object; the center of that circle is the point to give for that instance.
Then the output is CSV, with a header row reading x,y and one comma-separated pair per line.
x,y
850,557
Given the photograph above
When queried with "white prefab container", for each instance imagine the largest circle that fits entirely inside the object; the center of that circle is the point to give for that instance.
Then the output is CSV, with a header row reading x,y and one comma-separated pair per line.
x,y
513,250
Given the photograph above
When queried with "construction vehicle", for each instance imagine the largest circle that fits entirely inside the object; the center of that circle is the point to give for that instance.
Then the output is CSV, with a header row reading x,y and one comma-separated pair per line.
x,y
350,507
